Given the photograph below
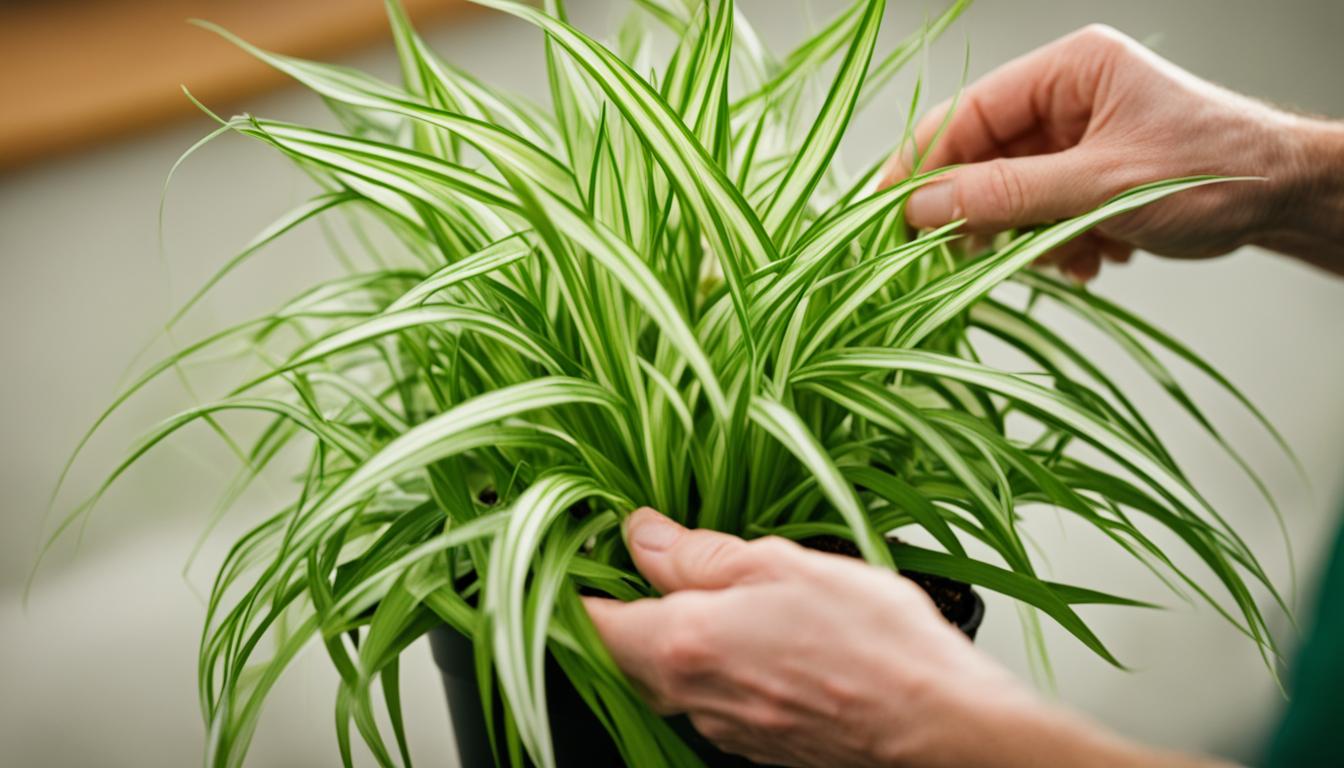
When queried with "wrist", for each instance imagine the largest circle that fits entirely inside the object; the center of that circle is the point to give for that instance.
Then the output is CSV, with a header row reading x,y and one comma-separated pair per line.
x,y
1305,214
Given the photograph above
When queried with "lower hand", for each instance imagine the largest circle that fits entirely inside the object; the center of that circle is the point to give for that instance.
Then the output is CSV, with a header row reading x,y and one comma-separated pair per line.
x,y
799,658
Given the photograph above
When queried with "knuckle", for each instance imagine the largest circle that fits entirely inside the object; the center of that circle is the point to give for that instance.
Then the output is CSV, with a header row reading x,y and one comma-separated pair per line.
x,y
905,595
658,699
713,554
769,552
779,703
774,546
1097,44
1103,35
716,729
910,594
919,690
686,649
1007,195
841,694
768,718
1117,171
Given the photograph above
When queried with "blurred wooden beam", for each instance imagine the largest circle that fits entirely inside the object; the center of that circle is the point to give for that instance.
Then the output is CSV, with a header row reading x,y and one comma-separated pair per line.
x,y
75,72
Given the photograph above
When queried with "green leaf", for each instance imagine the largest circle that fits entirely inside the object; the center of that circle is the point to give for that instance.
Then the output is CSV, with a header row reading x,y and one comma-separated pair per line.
x,y
785,426
804,173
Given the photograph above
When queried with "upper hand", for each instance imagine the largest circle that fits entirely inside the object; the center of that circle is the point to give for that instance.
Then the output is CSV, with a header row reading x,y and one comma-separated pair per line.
x,y
1062,129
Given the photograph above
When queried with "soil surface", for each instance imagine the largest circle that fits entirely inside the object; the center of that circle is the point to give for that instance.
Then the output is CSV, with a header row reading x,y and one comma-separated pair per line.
x,y
953,598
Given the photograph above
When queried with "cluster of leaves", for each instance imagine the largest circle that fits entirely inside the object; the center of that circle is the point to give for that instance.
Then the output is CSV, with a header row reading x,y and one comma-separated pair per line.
x,y
660,291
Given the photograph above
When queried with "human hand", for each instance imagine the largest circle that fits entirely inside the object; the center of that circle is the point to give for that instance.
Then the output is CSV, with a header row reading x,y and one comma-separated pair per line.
x,y
798,658
1062,129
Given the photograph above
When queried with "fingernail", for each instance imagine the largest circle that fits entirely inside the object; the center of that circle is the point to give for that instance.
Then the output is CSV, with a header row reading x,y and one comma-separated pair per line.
x,y
932,206
897,168
907,155
649,530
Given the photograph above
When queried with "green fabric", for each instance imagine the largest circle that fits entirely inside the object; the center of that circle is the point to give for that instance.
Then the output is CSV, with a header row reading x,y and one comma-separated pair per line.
x,y
1313,725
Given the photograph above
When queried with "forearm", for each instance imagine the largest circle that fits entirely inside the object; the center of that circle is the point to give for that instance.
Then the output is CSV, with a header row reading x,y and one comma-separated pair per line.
x,y
1053,736
1306,219
1015,729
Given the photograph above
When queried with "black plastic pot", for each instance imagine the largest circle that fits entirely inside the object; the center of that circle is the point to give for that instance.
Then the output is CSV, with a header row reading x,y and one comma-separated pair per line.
x,y
580,740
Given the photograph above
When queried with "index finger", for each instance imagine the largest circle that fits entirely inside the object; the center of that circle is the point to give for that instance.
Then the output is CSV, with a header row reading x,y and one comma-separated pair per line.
x,y
1036,103
655,643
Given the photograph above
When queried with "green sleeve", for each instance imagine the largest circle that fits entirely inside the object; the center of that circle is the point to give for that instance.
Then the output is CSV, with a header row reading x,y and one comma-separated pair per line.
x,y
1314,721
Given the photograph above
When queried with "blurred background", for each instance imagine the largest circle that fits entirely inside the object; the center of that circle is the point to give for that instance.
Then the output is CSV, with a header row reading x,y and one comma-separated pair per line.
x,y
100,667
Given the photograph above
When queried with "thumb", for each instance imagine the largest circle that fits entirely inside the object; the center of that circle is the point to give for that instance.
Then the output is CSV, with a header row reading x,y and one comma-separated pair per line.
x,y
674,558
1005,193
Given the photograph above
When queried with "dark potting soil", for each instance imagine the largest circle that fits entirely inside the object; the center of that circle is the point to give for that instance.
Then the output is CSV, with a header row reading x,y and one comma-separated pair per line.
x,y
954,599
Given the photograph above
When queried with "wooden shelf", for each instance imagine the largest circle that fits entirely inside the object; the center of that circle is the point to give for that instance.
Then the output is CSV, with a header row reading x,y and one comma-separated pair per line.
x,y
74,72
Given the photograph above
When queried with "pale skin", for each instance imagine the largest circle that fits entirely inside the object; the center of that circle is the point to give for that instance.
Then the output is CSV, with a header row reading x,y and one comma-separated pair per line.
x,y
1060,130
798,658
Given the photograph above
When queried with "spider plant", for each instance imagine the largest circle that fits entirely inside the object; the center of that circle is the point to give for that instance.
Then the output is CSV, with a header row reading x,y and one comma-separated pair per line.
x,y
660,290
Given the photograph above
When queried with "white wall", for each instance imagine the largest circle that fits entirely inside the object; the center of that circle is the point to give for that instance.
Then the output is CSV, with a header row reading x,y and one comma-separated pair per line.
x,y
100,669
